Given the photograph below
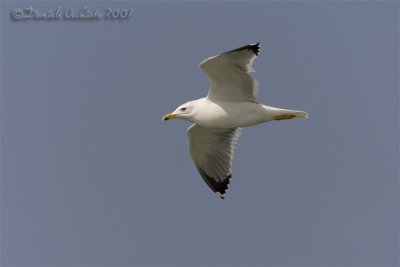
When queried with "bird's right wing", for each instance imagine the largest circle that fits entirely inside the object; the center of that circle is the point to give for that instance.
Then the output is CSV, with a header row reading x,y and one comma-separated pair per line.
x,y
229,75
212,152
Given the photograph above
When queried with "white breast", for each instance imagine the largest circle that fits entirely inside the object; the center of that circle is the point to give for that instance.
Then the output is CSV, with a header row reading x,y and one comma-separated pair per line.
x,y
228,114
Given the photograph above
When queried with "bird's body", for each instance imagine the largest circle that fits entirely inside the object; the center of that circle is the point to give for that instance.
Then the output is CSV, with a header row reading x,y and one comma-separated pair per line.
x,y
230,105
220,114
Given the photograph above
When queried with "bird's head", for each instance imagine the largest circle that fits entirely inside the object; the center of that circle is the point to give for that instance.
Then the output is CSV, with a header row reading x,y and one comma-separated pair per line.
x,y
184,111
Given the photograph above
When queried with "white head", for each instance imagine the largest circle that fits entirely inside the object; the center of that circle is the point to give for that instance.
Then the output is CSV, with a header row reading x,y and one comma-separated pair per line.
x,y
184,112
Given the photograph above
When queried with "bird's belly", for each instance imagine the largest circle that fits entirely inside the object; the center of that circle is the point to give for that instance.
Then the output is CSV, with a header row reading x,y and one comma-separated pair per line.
x,y
231,115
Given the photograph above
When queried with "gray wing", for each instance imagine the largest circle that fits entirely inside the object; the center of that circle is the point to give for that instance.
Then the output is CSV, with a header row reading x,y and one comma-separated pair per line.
x,y
212,150
229,75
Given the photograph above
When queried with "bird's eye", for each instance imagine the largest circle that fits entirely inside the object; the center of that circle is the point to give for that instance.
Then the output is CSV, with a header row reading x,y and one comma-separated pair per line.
x,y
182,109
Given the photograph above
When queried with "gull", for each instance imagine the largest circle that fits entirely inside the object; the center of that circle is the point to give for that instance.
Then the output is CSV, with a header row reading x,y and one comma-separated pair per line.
x,y
230,105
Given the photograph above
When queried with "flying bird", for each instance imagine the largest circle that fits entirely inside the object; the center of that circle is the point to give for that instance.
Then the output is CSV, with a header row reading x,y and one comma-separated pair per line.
x,y
230,105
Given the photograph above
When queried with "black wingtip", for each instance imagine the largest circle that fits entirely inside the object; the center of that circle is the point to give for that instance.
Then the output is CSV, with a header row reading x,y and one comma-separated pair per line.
x,y
221,191
219,187
253,47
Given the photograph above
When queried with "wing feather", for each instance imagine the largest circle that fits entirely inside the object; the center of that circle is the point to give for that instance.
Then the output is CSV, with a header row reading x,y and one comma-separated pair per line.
x,y
212,150
229,75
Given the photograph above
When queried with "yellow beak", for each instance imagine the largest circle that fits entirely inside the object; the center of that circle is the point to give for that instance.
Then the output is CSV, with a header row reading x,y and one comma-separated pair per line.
x,y
169,116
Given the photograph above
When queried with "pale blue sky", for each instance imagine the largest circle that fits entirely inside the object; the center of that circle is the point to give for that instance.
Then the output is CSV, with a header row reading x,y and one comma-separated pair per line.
x,y
91,176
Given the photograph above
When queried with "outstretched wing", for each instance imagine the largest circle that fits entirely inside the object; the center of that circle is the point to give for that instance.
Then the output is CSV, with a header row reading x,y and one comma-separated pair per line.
x,y
212,150
229,75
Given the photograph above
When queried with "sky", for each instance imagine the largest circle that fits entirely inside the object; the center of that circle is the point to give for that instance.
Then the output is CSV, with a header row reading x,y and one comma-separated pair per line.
x,y
90,175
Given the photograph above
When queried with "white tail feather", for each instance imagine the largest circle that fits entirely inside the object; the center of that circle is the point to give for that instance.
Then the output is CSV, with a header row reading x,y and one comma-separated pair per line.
x,y
301,114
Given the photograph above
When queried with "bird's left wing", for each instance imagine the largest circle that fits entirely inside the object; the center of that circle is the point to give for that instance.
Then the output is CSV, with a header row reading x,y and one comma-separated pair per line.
x,y
229,75
212,152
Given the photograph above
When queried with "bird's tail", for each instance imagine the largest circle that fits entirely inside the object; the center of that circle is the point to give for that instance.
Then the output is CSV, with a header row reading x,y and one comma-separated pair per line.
x,y
284,114
300,114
